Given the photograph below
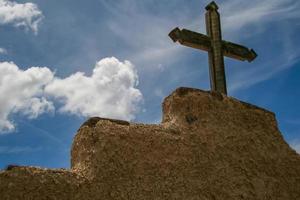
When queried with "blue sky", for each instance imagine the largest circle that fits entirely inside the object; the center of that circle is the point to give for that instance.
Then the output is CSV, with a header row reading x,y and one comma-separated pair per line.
x,y
64,61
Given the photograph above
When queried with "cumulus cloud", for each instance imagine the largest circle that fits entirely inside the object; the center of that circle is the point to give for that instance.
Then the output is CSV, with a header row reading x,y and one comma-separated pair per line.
x,y
109,92
26,15
22,91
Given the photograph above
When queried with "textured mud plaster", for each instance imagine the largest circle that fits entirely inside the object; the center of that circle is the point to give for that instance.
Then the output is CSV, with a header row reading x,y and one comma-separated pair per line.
x,y
208,147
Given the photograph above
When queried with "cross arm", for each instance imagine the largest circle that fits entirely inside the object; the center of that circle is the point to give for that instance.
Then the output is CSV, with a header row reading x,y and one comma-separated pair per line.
x,y
237,51
203,42
190,39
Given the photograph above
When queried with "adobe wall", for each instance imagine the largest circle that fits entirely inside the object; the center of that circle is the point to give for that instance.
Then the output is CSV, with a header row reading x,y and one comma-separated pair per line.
x,y
208,146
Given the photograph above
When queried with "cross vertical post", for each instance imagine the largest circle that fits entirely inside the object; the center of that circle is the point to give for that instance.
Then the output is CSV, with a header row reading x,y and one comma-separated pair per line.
x,y
215,54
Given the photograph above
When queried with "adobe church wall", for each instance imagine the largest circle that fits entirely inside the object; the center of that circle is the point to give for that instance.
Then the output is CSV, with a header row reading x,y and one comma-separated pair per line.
x,y
24,183
208,146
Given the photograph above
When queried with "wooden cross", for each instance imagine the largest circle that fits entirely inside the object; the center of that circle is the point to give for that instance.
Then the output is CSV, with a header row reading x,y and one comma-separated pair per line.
x,y
214,45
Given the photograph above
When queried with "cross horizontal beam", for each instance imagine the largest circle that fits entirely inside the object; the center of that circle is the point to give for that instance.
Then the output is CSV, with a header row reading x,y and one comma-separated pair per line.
x,y
203,42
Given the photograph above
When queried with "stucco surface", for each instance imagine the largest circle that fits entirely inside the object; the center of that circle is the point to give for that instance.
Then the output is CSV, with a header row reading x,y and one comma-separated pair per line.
x,y
208,146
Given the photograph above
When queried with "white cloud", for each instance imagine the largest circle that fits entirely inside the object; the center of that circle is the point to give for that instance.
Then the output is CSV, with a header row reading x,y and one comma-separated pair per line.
x,y
237,14
151,44
26,15
22,92
109,92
